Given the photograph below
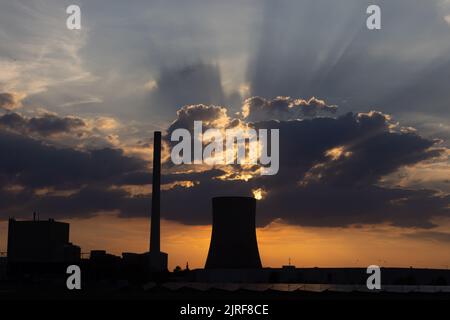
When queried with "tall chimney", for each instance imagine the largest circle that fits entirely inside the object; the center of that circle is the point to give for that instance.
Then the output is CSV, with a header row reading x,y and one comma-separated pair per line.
x,y
155,219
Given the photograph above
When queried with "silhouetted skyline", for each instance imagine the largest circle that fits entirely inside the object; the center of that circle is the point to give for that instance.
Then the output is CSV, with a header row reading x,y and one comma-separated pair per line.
x,y
363,119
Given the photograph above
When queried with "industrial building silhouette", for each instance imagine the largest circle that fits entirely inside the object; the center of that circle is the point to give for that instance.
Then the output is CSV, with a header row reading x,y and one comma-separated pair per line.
x,y
41,247
233,240
157,259
40,241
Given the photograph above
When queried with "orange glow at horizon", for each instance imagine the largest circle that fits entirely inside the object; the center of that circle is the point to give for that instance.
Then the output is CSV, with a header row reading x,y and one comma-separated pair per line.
x,y
278,242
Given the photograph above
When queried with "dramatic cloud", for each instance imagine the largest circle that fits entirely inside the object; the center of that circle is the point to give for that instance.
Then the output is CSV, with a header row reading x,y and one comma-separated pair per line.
x,y
211,116
45,125
31,163
284,108
71,131
10,101
87,201
333,166
65,182
330,173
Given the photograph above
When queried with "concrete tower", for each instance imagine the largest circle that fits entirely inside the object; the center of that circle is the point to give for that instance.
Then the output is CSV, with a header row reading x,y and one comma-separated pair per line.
x,y
233,240
157,259
156,195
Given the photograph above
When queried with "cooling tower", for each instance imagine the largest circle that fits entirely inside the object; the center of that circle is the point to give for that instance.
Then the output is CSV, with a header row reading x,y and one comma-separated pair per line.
x,y
233,240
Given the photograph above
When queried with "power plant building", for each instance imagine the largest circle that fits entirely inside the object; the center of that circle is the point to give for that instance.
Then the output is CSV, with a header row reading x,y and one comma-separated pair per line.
x,y
157,259
233,240
40,241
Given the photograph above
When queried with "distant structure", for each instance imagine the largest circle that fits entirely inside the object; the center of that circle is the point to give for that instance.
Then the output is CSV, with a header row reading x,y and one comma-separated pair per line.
x,y
40,241
233,240
289,266
157,259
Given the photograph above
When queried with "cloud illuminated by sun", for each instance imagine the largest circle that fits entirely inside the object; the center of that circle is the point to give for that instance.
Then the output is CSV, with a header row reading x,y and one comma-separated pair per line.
x,y
337,153
259,193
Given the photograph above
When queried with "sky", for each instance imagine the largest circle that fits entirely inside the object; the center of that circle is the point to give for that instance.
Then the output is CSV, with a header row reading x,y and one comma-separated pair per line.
x,y
363,116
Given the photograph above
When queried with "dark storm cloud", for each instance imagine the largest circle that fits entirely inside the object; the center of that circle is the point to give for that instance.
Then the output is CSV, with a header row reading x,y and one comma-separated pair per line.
x,y
284,108
322,205
79,183
31,163
211,116
93,199
315,205
45,125
304,144
329,171
87,201
403,67
9,101
208,114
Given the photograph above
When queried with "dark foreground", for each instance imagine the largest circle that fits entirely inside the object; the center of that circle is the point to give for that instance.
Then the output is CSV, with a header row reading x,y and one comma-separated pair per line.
x,y
189,303
164,293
